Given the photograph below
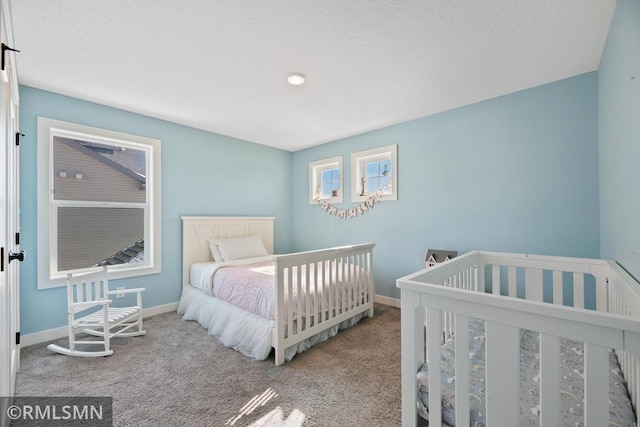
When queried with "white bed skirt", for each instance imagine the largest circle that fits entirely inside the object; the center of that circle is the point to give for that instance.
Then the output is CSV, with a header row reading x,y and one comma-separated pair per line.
x,y
241,330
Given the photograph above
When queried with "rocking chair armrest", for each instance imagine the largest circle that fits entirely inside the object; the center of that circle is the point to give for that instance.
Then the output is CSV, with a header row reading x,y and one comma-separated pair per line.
x,y
126,291
85,305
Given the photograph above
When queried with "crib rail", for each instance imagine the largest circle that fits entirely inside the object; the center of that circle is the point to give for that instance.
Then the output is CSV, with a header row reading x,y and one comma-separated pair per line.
x,y
623,298
316,290
512,292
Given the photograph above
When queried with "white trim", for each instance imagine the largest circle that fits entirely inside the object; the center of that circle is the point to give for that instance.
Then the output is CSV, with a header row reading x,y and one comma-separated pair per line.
x,y
357,164
46,260
63,331
315,168
393,302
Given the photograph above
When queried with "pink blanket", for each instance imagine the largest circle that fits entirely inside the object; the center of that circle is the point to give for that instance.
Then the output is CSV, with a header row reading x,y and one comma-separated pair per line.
x,y
250,287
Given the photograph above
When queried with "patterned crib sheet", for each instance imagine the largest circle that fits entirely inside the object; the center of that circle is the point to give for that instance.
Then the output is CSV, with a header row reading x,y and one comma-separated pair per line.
x,y
572,386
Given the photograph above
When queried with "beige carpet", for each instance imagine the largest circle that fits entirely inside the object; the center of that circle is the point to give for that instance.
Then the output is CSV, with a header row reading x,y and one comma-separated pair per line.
x,y
177,375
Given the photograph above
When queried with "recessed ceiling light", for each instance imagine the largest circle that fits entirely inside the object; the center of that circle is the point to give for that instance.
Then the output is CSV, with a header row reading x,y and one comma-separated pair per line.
x,y
296,79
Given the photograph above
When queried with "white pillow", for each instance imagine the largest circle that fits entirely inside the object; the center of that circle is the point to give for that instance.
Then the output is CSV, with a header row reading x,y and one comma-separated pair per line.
x,y
215,251
241,248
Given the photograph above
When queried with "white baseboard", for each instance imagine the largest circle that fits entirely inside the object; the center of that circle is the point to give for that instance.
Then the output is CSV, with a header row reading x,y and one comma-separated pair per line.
x,y
159,309
54,334
387,301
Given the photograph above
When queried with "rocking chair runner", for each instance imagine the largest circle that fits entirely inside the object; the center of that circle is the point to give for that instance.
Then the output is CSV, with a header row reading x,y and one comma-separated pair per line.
x,y
90,311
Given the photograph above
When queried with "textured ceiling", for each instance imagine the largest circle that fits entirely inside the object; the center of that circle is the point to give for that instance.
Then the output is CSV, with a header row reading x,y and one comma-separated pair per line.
x,y
222,65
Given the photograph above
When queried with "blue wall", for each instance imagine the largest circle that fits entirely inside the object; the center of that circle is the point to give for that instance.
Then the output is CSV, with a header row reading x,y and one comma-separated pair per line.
x,y
619,138
518,173
202,174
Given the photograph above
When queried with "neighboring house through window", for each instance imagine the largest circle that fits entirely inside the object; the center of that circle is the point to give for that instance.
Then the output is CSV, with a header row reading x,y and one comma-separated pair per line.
x,y
102,193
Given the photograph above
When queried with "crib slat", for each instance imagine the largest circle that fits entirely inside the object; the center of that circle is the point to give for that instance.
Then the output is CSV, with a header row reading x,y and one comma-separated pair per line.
x,y
359,289
557,287
349,282
325,286
357,294
495,279
343,276
445,325
578,290
434,332
533,284
365,277
317,298
549,380
290,302
331,290
462,370
512,281
299,299
346,280
353,284
601,295
596,371
307,296
503,368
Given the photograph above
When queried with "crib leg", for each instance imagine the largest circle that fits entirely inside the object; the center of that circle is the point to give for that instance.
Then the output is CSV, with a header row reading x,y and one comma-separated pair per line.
x,y
412,341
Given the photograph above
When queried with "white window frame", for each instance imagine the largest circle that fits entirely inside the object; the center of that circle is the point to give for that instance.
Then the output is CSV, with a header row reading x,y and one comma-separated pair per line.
x,y
48,274
358,161
315,178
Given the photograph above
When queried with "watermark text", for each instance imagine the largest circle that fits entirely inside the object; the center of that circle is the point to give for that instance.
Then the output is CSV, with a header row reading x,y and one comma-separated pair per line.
x,y
58,411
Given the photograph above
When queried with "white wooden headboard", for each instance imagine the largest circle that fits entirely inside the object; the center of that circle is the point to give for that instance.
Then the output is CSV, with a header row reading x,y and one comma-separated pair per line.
x,y
197,230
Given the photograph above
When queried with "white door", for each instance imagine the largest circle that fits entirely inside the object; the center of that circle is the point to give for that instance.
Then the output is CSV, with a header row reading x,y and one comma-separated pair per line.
x,y
9,216
5,314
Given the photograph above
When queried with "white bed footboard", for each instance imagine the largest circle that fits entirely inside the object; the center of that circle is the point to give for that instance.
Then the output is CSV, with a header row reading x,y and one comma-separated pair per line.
x,y
331,285
594,302
327,287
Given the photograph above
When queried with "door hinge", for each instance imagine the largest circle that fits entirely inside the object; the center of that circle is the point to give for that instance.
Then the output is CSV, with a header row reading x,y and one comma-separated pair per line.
x,y
1,259
17,239
18,135
18,338
5,48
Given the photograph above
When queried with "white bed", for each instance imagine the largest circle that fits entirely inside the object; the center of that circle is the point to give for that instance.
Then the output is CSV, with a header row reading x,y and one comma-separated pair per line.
x,y
554,305
331,289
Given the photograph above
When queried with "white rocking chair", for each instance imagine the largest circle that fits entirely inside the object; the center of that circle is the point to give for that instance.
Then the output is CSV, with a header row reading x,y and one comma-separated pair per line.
x,y
87,291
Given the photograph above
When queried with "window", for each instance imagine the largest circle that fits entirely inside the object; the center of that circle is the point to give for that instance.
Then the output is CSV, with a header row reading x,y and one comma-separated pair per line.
x,y
101,196
325,180
374,170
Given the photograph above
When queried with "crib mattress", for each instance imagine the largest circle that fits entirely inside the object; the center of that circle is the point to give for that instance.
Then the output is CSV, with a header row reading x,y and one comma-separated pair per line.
x,y
572,385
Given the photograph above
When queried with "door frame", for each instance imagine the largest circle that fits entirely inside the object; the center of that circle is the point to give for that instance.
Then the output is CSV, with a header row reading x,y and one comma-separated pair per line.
x,y
9,213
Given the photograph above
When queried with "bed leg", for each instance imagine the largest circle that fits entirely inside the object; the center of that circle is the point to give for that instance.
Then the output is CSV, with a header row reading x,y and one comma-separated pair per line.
x,y
279,356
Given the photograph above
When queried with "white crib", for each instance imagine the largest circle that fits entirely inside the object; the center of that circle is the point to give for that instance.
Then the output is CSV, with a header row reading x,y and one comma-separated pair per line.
x,y
594,302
